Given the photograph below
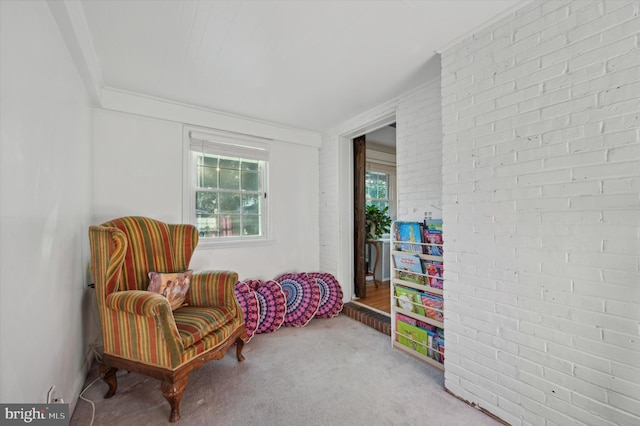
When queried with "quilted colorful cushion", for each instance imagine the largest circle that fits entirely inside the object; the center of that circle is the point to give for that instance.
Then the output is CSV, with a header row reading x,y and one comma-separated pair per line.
x,y
303,298
250,307
330,294
174,286
196,322
273,304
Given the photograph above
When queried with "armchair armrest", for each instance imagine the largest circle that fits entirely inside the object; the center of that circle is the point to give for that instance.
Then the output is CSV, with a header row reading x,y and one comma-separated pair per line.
x,y
137,302
213,288
150,315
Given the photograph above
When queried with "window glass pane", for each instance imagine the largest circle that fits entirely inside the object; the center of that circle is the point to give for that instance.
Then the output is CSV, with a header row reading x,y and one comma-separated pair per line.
x,y
209,161
229,203
207,227
206,203
229,225
382,188
229,194
380,185
229,178
207,171
377,187
373,186
225,226
230,163
229,173
207,224
251,203
371,192
207,177
249,165
251,225
250,181
369,179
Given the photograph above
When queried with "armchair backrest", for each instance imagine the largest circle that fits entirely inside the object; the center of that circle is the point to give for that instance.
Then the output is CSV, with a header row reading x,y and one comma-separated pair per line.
x,y
152,246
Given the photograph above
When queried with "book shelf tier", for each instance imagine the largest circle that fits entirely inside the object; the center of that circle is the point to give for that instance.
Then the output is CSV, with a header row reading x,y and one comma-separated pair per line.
x,y
417,286
417,304
422,318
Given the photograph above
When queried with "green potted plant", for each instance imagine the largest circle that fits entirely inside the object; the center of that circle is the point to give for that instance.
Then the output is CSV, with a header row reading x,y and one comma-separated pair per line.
x,y
377,221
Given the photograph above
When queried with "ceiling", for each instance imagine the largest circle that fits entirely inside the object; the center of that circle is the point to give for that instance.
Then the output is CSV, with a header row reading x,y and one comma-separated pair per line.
x,y
383,139
306,64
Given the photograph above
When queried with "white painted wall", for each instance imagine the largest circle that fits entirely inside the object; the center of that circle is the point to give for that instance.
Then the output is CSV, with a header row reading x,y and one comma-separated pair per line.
x,y
331,190
137,167
419,153
138,171
45,209
418,166
541,214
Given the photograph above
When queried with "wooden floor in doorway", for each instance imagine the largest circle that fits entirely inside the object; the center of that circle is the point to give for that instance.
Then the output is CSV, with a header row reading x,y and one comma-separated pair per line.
x,y
378,297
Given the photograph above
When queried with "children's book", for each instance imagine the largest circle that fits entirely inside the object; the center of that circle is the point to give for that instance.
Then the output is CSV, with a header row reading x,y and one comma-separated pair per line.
x,y
433,307
408,262
434,271
412,337
438,348
409,299
434,225
430,335
432,236
410,236
411,277
410,267
420,324
404,318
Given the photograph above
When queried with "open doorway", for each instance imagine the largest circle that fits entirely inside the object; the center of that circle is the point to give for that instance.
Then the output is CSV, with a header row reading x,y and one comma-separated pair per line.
x,y
374,177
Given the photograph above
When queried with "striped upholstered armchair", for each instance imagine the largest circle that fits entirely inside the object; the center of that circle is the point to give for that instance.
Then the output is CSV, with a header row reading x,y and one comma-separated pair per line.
x,y
141,332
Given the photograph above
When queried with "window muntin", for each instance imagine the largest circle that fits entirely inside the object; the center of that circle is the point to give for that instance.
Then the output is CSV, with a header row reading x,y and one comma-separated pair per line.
x,y
228,188
377,188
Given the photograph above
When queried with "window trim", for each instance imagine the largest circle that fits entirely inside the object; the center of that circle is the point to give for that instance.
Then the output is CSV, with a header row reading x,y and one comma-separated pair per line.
x,y
391,192
227,141
388,187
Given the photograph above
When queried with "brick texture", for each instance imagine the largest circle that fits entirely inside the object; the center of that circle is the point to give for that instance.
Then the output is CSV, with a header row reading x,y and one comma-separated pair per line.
x,y
418,164
541,210
375,320
419,153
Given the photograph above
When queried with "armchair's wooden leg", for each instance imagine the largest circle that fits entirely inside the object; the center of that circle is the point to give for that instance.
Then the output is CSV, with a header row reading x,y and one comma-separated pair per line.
x,y
172,392
239,347
108,374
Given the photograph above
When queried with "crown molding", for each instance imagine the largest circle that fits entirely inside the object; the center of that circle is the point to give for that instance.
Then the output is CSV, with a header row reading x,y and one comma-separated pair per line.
x,y
164,109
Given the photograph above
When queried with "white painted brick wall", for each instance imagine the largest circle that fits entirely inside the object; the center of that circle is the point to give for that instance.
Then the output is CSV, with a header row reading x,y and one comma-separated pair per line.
x,y
541,208
418,164
419,153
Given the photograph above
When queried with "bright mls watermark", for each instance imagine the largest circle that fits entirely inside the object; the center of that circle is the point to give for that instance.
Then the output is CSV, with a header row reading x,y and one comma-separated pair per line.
x,y
37,414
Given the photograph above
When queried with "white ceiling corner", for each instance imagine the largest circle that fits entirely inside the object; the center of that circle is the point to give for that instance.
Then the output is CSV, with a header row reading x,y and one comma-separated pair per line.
x,y
70,18
309,65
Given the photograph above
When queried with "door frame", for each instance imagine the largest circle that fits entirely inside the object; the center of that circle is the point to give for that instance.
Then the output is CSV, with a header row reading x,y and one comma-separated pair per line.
x,y
346,264
359,216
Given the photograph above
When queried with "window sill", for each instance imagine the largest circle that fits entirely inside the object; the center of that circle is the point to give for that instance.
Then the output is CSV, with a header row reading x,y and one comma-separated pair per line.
x,y
209,244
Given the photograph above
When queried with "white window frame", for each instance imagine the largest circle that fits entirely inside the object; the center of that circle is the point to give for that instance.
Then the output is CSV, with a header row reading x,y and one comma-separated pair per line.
x,y
389,199
234,145
380,162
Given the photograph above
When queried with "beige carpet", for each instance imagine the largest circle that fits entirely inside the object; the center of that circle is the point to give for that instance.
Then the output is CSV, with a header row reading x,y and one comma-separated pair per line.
x,y
331,372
